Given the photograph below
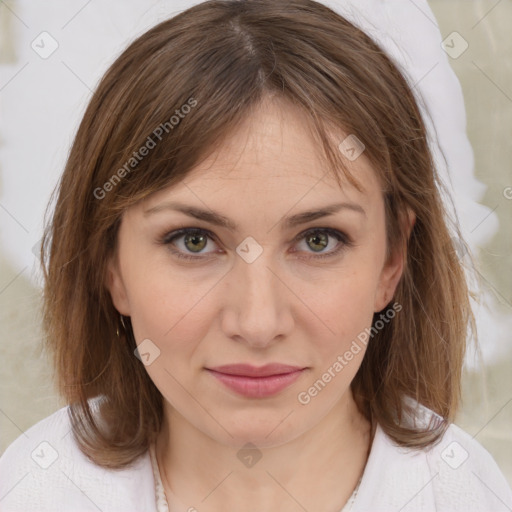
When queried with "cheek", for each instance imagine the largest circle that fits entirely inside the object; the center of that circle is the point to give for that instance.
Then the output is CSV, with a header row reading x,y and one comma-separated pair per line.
x,y
168,306
337,355
347,311
176,315
344,298
344,302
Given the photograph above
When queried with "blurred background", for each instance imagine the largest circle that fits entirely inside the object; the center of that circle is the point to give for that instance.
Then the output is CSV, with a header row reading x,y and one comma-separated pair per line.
x,y
51,60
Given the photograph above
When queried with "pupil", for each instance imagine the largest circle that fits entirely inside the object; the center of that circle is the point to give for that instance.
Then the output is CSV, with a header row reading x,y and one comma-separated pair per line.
x,y
194,239
322,244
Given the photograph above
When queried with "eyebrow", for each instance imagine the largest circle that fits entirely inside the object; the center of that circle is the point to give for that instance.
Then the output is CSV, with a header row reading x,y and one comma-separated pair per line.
x,y
218,219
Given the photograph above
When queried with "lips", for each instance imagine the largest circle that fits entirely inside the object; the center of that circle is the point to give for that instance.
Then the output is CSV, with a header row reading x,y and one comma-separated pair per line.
x,y
247,370
256,382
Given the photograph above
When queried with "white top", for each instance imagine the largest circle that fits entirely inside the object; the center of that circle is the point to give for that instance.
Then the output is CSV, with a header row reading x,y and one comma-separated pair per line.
x,y
44,470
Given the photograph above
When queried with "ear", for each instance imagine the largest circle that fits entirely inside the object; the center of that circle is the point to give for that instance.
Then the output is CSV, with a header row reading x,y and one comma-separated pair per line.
x,y
393,268
116,287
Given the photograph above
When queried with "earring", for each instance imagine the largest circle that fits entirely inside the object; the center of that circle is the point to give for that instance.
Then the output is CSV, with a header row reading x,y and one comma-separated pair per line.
x,y
123,324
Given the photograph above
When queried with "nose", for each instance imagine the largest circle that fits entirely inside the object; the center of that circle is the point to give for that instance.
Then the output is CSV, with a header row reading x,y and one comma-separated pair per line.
x,y
257,305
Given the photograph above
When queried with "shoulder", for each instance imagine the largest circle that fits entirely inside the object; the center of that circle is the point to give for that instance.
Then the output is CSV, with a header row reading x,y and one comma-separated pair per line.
x,y
465,473
43,469
455,474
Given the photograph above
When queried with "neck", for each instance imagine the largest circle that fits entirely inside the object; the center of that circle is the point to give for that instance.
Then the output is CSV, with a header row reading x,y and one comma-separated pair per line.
x,y
316,471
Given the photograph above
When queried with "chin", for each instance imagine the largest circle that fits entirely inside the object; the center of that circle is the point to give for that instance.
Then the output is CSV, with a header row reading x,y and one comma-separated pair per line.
x,y
266,431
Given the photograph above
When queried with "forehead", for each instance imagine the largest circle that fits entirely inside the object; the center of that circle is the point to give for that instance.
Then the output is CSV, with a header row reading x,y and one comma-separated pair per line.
x,y
273,157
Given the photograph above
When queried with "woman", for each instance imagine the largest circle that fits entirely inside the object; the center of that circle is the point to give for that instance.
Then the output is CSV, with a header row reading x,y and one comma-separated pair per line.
x,y
250,286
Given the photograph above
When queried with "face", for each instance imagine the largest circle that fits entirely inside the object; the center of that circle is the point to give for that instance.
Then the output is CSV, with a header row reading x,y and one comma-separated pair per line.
x,y
271,286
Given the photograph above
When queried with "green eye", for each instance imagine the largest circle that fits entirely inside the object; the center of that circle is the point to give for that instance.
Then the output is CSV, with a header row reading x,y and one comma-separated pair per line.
x,y
319,241
194,240
197,242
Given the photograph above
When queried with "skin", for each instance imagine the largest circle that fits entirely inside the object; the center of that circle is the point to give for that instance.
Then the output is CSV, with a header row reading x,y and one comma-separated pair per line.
x,y
286,306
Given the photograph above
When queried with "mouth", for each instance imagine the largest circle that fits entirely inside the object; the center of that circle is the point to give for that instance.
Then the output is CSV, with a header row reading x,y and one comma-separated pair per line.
x,y
257,382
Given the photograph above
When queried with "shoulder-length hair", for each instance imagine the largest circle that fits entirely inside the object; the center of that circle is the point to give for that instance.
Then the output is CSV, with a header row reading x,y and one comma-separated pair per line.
x,y
179,90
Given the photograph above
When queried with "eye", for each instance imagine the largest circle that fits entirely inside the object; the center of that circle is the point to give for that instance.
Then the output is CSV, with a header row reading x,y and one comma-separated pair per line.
x,y
317,239
195,240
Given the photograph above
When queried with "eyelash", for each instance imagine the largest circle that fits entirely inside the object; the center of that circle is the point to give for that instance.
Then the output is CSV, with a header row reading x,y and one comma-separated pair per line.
x,y
168,238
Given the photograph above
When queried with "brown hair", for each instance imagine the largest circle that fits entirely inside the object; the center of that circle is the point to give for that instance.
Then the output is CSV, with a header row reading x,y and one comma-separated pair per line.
x,y
220,59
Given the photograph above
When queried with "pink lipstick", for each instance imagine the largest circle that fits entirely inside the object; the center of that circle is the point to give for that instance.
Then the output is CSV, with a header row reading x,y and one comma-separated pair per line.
x,y
257,382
